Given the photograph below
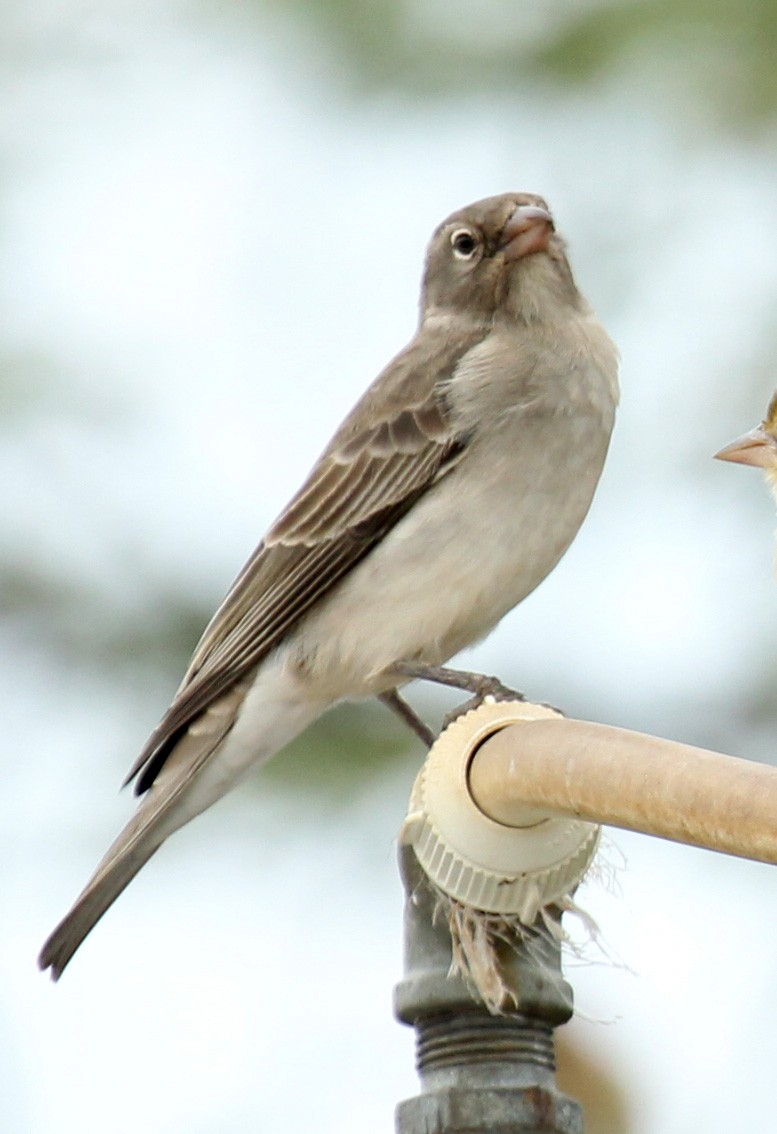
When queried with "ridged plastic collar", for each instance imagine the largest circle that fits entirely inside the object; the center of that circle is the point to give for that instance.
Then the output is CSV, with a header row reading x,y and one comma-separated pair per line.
x,y
474,859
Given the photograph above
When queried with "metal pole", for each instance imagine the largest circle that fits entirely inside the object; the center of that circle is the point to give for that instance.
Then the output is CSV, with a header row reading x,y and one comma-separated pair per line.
x,y
480,1073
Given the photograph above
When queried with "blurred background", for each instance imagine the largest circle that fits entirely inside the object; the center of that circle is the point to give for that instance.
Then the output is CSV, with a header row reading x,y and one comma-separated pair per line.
x,y
212,223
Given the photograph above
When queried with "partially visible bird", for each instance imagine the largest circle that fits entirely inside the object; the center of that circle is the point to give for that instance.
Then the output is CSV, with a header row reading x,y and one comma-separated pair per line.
x,y
450,491
758,447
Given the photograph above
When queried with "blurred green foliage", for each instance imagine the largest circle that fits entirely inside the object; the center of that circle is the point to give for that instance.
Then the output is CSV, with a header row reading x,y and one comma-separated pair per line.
x,y
342,751
724,50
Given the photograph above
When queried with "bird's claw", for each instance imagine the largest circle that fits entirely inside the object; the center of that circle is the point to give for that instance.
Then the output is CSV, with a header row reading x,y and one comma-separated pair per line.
x,y
481,685
489,688
478,683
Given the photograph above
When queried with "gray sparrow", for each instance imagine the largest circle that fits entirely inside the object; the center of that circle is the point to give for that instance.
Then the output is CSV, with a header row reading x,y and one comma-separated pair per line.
x,y
449,492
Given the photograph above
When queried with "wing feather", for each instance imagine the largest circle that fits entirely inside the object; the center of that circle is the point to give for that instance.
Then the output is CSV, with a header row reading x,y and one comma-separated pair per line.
x,y
398,440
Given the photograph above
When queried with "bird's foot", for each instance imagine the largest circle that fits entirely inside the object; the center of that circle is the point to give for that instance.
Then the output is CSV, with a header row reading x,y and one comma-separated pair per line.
x,y
480,684
470,704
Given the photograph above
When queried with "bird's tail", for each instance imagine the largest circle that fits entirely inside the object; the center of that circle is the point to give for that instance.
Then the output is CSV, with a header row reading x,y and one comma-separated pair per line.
x,y
181,790
112,875
196,773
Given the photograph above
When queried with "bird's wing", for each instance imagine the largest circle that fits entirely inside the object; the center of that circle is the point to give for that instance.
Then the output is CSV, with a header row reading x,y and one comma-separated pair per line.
x,y
393,446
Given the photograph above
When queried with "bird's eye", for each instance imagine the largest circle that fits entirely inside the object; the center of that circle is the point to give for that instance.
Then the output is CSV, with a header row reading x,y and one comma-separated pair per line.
x,y
463,243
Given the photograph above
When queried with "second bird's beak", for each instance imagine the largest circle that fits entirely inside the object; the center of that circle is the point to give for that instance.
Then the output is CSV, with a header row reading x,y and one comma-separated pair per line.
x,y
754,448
528,230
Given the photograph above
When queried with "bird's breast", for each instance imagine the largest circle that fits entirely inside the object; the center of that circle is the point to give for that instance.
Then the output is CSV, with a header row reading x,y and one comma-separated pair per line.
x,y
468,551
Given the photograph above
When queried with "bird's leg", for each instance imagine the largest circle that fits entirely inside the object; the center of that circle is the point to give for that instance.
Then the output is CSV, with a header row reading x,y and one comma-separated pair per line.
x,y
392,700
478,683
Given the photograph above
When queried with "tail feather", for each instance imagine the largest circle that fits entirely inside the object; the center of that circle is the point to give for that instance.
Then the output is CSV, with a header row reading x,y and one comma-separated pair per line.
x,y
195,774
161,811
100,893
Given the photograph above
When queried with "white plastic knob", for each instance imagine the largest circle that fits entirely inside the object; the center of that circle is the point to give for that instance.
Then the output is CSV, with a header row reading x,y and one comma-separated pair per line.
x,y
471,857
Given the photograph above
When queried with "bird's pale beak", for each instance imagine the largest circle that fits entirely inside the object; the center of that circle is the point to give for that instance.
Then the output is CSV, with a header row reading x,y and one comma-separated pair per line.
x,y
527,231
753,448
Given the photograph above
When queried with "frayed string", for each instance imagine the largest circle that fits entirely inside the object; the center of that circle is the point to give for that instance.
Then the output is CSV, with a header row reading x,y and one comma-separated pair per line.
x,y
483,944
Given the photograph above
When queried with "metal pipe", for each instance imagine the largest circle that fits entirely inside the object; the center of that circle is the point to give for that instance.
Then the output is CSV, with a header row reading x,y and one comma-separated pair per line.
x,y
480,1073
628,779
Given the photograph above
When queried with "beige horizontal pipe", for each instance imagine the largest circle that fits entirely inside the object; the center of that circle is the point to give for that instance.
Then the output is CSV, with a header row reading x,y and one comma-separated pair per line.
x,y
631,780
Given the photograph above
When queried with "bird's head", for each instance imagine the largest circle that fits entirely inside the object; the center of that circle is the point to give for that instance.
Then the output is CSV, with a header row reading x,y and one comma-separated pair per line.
x,y
758,447
501,254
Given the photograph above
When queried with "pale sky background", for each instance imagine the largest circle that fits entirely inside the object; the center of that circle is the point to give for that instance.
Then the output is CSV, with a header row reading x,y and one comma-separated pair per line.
x,y
210,242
